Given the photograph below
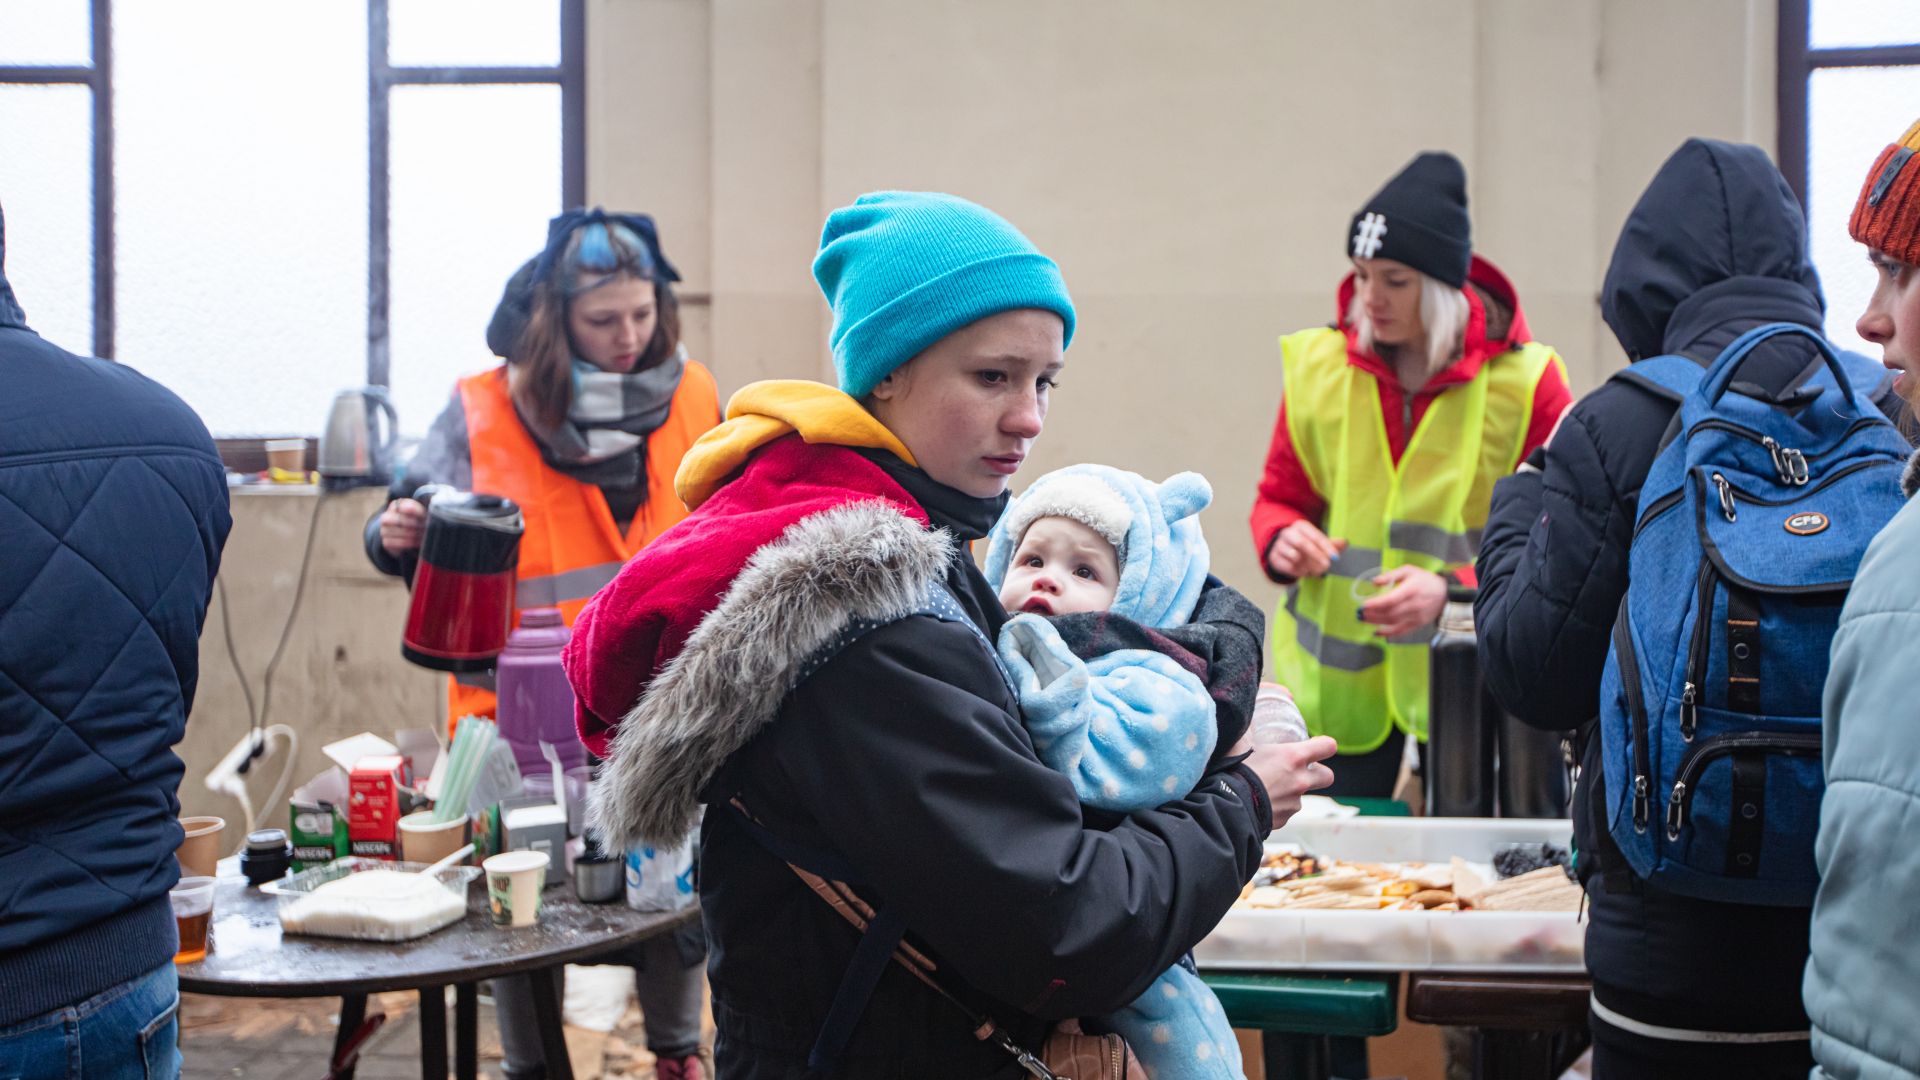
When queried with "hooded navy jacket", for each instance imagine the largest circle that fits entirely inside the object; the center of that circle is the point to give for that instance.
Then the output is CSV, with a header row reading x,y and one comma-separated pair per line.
x,y
1716,246
113,509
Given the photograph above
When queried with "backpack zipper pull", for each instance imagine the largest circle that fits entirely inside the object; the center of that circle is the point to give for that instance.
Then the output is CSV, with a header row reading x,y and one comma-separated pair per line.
x,y
1689,713
1779,465
1797,466
1726,497
1641,804
1676,810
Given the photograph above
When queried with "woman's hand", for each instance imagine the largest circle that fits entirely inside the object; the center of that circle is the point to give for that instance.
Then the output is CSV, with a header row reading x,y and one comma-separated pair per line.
x,y
1301,550
1290,770
1413,599
402,526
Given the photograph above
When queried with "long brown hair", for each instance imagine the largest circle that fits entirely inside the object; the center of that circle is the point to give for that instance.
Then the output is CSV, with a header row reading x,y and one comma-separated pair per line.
x,y
540,375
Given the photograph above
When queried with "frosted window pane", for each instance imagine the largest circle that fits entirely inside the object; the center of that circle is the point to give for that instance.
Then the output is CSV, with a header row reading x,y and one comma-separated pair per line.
x,y
1852,114
46,193
473,33
45,32
476,175
1841,23
242,205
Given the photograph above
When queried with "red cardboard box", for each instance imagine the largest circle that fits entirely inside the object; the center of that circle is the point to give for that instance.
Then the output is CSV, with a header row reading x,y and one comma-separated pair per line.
x,y
373,805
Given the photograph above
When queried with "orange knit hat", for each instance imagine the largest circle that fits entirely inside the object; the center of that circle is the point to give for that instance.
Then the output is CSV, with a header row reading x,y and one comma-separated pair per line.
x,y
1887,217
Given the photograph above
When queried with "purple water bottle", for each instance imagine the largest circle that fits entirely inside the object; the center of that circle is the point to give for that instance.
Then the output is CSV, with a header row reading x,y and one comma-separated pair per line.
x,y
536,701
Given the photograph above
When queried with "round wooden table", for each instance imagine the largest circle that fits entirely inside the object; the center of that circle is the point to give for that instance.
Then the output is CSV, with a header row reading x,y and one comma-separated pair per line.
x,y
249,957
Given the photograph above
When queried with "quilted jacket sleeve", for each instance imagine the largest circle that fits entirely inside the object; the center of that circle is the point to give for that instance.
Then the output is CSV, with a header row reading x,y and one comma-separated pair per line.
x,y
1553,568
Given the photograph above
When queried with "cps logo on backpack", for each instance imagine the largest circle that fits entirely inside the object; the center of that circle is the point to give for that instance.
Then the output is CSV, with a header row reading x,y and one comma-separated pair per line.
x,y
1807,524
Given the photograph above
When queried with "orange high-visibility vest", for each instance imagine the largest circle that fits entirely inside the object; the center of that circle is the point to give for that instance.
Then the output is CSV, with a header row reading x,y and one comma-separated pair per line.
x,y
571,546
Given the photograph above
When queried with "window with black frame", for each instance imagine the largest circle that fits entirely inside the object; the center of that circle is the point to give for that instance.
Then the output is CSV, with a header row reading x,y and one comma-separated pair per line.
x,y
258,204
1849,85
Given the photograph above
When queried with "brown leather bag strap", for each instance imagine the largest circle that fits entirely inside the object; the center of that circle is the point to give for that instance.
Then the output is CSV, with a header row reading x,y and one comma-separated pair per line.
x,y
859,914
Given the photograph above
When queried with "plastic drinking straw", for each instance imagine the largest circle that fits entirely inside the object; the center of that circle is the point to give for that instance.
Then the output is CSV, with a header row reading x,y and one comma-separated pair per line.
x,y
453,792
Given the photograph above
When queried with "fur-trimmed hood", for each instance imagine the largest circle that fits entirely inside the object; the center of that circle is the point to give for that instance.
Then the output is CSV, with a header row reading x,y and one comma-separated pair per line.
x,y
689,651
864,561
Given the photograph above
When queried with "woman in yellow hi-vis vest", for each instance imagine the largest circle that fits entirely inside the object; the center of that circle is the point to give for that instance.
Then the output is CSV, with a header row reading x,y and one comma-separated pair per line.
x,y
584,427
1394,423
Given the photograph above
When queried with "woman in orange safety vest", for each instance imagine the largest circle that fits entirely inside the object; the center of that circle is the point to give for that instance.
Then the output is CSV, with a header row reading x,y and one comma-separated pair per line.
x,y
583,426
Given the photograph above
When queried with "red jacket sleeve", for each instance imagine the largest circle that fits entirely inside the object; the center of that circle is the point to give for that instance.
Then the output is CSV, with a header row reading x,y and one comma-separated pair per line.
x,y
1551,399
1285,495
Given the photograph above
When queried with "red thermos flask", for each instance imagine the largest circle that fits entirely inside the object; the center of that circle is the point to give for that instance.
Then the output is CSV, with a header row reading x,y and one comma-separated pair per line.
x,y
462,604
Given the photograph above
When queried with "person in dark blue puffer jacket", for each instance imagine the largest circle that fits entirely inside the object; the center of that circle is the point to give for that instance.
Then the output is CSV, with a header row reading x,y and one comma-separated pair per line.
x,y
1716,246
113,509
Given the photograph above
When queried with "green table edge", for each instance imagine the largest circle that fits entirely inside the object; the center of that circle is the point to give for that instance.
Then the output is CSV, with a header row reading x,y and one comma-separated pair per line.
x,y
1315,1004
1308,1004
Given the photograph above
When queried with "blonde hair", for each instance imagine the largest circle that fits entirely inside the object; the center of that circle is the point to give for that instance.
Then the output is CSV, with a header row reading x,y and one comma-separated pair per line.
x,y
1443,312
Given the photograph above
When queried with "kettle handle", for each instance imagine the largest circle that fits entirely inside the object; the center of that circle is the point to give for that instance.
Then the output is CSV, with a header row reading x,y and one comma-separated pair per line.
x,y
378,395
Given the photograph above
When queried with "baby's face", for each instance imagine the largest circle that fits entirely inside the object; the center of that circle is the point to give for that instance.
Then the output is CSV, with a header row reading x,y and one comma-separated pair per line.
x,y
1061,567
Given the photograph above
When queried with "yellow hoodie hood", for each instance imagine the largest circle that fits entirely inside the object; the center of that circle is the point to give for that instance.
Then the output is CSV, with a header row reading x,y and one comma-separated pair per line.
x,y
764,411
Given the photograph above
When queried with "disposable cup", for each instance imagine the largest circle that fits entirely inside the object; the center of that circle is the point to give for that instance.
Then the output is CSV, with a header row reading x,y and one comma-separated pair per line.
x,y
287,455
192,902
1363,587
201,849
424,840
514,881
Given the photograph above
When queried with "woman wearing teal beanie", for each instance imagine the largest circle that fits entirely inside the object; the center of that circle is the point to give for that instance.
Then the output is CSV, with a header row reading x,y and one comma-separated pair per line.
x,y
808,656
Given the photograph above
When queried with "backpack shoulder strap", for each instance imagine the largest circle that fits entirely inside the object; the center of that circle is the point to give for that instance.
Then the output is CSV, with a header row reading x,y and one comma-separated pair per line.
x,y
1672,376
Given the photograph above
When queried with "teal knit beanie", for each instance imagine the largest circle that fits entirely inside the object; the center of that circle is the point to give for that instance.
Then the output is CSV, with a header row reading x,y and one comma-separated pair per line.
x,y
903,269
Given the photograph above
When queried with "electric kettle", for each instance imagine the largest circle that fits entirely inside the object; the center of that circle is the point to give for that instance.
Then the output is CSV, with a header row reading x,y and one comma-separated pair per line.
x,y
350,454
463,590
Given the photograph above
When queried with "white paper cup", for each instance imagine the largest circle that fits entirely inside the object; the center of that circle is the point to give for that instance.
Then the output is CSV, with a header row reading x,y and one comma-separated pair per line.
x,y
514,881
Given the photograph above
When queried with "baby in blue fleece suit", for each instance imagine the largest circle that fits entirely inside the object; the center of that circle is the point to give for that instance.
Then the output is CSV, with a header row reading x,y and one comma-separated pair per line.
x,y
1133,726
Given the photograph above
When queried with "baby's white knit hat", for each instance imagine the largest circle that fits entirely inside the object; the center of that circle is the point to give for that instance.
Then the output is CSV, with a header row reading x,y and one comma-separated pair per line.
x,y
1086,499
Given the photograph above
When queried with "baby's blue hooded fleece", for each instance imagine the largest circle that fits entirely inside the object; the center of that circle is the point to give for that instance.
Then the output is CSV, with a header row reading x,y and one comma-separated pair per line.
x,y
1132,727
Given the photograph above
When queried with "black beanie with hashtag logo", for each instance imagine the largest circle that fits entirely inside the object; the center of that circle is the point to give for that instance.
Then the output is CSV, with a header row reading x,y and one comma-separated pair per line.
x,y
1419,218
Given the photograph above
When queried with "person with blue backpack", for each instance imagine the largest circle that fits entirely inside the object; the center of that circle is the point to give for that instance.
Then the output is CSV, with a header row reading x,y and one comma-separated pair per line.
x,y
1863,969
1665,578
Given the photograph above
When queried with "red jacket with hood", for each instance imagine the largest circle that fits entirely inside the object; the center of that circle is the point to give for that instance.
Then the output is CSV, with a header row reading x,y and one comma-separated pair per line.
x,y
1495,324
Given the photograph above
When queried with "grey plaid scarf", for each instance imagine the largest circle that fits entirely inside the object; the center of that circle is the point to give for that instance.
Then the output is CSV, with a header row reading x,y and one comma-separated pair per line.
x,y
603,440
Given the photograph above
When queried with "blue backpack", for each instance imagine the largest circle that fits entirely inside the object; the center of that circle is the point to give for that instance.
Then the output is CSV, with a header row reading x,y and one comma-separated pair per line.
x,y
1751,524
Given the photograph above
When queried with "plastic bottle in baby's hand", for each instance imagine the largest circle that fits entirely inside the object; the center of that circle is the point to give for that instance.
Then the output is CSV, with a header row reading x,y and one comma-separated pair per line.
x,y
1276,719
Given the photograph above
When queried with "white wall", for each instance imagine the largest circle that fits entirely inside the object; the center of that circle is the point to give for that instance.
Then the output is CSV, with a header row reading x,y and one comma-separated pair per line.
x,y
1191,166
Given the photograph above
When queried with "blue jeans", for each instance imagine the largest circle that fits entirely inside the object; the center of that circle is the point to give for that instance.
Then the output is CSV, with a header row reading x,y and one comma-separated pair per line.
x,y
129,1031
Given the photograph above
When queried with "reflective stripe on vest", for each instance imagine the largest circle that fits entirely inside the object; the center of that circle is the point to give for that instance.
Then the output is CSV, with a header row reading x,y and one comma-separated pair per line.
x,y
1426,511
552,590
571,547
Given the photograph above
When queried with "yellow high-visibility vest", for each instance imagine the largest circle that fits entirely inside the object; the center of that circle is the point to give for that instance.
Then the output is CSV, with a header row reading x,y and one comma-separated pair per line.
x,y
1427,511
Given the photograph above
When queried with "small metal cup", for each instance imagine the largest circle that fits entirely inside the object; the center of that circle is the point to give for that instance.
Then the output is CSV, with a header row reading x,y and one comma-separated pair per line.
x,y
599,880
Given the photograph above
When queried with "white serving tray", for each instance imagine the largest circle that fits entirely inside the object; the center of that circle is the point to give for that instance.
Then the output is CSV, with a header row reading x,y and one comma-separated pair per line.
x,y
1520,941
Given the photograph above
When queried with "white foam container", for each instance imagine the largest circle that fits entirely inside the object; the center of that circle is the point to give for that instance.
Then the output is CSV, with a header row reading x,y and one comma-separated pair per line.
x,y
1255,939
363,919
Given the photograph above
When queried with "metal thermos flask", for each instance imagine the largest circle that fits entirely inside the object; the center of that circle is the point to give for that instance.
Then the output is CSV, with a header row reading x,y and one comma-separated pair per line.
x,y
1533,770
1460,738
